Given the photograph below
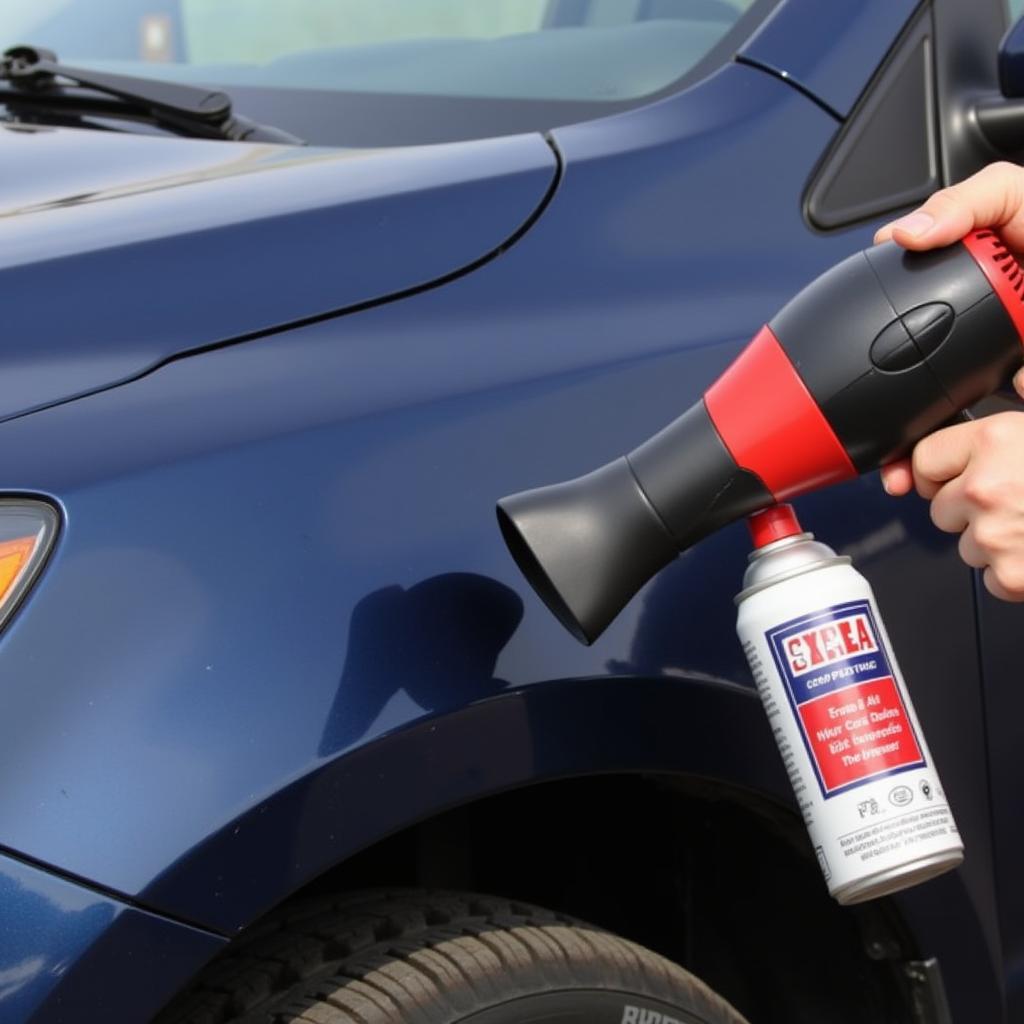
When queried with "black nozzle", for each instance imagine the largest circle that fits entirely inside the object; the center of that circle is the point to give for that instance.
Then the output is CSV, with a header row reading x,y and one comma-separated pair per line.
x,y
588,545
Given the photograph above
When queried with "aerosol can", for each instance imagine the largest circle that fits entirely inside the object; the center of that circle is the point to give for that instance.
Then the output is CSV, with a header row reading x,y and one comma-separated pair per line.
x,y
841,715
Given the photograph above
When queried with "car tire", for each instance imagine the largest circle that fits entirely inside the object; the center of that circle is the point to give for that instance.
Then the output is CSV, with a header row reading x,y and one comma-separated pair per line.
x,y
418,957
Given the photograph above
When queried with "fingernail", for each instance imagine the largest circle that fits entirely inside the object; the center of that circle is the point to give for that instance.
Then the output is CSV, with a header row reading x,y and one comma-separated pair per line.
x,y
885,486
916,223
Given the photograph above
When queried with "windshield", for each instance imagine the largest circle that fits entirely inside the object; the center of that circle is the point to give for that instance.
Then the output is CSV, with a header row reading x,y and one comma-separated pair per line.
x,y
388,72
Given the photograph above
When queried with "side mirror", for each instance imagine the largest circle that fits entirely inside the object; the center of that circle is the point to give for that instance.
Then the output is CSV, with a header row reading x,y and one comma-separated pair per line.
x,y
1011,61
1000,116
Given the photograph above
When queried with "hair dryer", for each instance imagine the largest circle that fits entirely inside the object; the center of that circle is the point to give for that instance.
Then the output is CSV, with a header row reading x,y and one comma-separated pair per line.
x,y
877,352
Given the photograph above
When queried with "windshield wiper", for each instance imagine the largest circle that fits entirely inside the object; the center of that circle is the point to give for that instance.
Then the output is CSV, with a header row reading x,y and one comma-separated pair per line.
x,y
206,113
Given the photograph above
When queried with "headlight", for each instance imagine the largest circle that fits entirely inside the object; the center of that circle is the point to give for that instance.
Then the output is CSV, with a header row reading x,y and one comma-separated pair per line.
x,y
27,532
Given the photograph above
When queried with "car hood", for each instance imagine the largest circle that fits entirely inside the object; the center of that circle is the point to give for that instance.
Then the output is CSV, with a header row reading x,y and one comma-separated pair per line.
x,y
119,252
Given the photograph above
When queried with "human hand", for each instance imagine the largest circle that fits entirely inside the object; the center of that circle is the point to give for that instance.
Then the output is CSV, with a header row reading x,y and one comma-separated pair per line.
x,y
973,473
992,198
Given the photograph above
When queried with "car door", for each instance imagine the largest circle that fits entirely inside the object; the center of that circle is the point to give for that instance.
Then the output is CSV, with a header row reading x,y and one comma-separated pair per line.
x,y
967,41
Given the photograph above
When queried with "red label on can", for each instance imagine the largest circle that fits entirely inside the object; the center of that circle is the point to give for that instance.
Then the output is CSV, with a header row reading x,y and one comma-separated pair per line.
x,y
859,731
842,690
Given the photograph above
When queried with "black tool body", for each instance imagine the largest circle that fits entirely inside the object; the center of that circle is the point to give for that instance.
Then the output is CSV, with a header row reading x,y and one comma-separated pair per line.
x,y
877,352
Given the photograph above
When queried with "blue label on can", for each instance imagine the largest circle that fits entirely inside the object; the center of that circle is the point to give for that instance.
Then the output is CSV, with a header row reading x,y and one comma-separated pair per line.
x,y
844,695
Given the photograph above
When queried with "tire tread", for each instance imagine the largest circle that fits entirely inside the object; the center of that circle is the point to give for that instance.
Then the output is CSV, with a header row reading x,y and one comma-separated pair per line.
x,y
419,957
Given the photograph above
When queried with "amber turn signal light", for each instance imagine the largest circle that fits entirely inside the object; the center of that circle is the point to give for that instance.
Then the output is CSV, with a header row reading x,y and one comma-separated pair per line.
x,y
27,531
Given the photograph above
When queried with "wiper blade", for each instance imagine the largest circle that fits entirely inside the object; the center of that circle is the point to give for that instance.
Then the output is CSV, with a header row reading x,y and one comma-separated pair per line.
x,y
34,71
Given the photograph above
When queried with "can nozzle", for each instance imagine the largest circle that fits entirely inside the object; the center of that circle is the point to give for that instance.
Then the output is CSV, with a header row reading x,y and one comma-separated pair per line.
x,y
773,523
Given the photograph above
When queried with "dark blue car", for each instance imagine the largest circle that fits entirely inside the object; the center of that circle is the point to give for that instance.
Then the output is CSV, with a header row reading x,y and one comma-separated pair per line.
x,y
284,735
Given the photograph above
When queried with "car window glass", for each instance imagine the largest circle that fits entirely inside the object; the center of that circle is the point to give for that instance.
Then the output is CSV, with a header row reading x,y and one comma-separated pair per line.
x,y
596,50
550,53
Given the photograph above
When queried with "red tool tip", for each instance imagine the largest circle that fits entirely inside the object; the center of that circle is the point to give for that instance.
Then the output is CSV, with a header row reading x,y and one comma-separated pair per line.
x,y
772,524
1001,269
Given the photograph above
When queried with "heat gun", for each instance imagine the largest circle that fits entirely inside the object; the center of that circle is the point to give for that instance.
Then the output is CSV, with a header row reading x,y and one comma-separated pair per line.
x,y
874,354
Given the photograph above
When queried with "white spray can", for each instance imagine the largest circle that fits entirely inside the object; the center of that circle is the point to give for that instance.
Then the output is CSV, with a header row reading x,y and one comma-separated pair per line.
x,y
850,740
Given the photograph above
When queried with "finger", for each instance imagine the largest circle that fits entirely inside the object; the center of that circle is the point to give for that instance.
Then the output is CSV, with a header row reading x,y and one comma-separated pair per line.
x,y
898,478
884,233
941,456
909,224
949,508
1018,382
994,197
971,551
996,588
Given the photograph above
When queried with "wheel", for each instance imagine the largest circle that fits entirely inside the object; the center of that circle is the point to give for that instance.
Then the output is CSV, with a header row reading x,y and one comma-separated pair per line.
x,y
417,957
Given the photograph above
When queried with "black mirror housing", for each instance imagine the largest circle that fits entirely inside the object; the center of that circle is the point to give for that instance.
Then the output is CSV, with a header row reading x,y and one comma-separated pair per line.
x,y
1011,61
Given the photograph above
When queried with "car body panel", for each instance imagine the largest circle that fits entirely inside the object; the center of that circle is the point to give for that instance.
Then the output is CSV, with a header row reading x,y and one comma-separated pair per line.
x,y
1001,631
822,46
519,736
354,454
69,953
255,236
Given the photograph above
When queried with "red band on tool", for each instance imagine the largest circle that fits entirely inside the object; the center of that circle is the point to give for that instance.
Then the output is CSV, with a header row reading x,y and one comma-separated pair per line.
x,y
771,424
1003,273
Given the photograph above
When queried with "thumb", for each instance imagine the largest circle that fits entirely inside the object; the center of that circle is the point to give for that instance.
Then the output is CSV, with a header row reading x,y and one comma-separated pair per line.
x,y
1018,382
994,197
